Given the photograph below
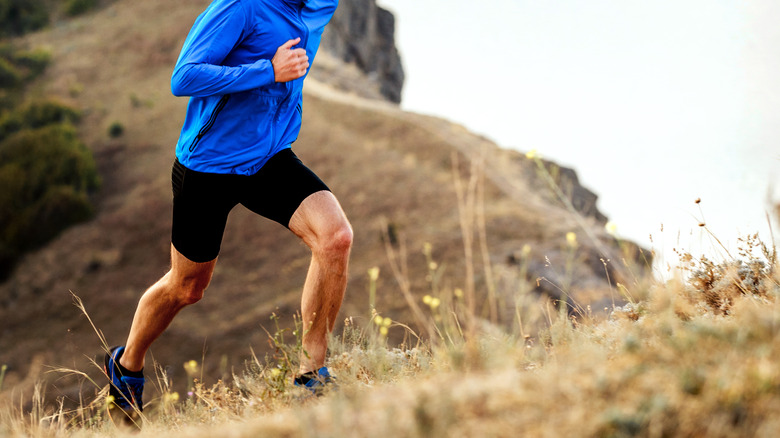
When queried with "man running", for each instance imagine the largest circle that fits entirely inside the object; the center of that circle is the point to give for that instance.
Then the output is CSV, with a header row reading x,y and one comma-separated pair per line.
x,y
243,65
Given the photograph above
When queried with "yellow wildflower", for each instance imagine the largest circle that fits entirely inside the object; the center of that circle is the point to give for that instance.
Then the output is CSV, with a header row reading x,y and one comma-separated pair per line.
x,y
571,239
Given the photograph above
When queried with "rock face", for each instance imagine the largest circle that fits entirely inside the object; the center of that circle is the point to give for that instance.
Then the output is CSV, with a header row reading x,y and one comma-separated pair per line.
x,y
363,34
582,199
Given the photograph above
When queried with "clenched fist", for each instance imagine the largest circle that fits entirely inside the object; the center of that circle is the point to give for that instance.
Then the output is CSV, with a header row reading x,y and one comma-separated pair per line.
x,y
290,64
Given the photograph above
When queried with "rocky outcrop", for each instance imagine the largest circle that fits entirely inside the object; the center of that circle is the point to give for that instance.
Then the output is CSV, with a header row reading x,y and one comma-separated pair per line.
x,y
582,199
363,34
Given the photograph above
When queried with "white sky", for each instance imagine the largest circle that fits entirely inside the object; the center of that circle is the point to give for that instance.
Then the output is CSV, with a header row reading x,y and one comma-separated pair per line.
x,y
654,103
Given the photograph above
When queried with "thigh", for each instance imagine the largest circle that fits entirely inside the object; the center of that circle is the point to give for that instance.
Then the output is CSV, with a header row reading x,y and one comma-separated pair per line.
x,y
279,188
201,204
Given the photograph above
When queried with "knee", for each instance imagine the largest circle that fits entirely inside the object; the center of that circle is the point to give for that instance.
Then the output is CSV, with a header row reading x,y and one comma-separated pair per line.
x,y
191,295
339,240
190,290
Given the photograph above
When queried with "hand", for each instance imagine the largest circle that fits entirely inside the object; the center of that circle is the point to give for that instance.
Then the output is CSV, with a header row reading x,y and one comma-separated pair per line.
x,y
290,64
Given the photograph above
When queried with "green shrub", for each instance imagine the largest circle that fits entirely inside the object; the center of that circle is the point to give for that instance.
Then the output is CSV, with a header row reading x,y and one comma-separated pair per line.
x,y
36,115
77,7
60,207
42,113
51,155
34,61
21,16
46,175
18,66
10,76
116,130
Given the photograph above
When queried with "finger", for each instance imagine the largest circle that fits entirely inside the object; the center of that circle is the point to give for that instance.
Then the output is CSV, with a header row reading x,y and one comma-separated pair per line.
x,y
290,43
299,52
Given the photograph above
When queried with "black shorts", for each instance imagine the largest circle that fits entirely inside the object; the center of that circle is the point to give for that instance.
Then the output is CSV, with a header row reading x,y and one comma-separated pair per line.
x,y
202,201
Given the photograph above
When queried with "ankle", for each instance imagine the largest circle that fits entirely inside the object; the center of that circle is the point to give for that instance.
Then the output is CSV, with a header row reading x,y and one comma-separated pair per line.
x,y
130,365
304,378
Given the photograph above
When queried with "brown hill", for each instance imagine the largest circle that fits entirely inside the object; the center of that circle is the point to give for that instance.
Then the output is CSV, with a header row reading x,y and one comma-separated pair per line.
x,y
392,170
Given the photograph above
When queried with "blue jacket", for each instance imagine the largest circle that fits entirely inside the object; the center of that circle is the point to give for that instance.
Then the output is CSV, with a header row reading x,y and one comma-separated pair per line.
x,y
238,117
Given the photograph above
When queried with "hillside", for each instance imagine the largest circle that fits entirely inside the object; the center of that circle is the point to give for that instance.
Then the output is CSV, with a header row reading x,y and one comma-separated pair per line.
x,y
392,171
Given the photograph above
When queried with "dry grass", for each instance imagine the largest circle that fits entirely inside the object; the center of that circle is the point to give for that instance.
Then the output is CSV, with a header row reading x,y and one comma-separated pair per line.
x,y
674,364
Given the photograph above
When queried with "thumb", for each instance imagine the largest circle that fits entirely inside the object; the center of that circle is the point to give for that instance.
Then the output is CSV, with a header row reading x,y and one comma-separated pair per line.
x,y
290,43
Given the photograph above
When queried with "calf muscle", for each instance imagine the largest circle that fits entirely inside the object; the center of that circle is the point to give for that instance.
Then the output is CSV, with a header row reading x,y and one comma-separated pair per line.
x,y
183,285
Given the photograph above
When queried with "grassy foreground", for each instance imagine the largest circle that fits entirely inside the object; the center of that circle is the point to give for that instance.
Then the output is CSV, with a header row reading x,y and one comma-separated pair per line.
x,y
695,356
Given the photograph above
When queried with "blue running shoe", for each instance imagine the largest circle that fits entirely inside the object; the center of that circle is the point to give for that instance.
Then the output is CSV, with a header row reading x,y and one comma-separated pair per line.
x,y
315,382
126,387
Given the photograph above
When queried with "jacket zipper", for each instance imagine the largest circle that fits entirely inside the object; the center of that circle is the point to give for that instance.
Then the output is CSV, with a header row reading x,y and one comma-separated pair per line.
x,y
304,42
305,39
210,122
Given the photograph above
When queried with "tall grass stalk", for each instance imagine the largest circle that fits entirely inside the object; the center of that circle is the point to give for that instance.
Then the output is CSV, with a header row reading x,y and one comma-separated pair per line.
x,y
466,212
545,174
400,270
481,225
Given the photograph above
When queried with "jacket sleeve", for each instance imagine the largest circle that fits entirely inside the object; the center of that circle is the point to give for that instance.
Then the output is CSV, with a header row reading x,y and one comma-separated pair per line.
x,y
213,36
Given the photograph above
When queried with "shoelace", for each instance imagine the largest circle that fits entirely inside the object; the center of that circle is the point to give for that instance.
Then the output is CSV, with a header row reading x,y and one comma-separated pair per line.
x,y
132,389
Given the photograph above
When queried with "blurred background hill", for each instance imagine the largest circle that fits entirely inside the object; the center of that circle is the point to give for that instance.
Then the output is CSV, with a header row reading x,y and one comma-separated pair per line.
x,y
396,174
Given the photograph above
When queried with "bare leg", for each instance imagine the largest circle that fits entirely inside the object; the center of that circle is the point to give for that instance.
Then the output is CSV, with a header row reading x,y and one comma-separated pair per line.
x,y
181,286
323,226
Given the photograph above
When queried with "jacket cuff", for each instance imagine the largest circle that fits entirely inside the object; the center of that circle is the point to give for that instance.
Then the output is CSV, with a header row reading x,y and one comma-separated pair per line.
x,y
265,72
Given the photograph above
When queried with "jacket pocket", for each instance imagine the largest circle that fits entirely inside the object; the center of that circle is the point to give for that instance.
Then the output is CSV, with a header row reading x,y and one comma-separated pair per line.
x,y
210,122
